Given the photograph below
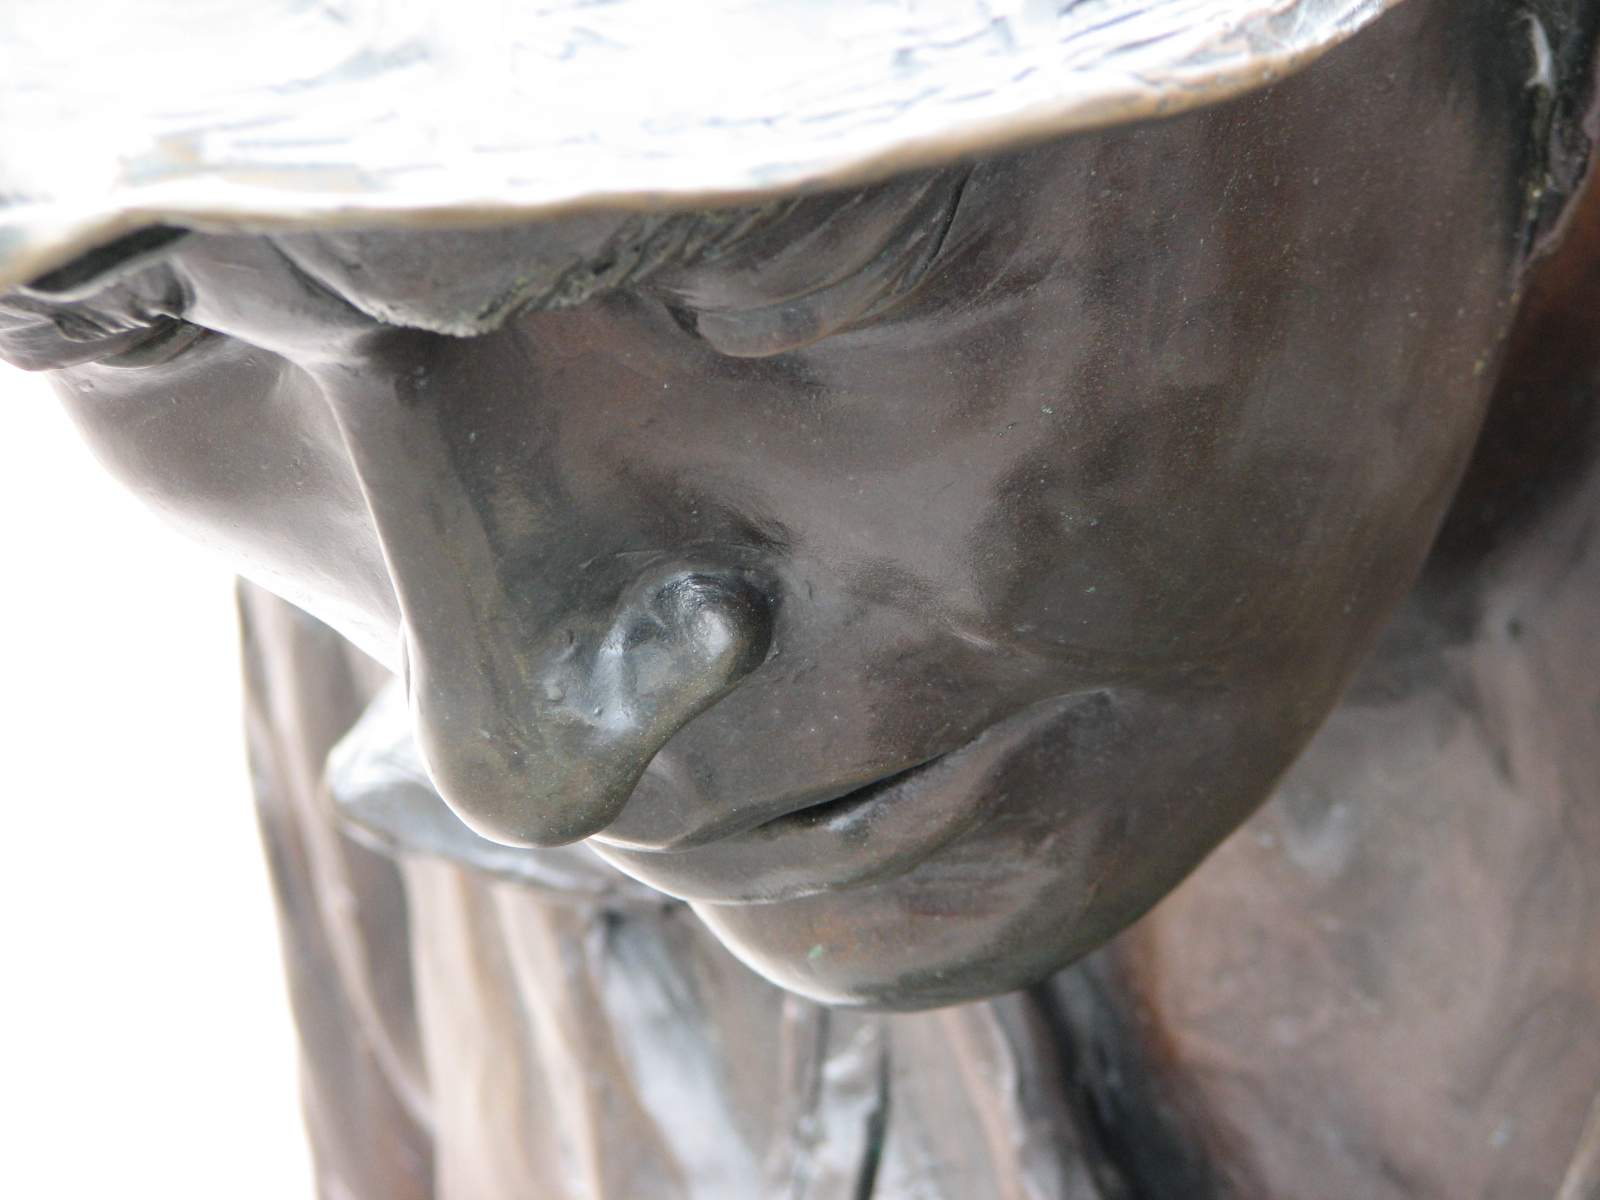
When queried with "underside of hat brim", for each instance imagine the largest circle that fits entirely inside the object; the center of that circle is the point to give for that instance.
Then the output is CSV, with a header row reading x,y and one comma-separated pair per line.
x,y
273,114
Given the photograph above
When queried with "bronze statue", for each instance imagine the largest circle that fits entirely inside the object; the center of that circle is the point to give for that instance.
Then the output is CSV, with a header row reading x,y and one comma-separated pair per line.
x,y
800,557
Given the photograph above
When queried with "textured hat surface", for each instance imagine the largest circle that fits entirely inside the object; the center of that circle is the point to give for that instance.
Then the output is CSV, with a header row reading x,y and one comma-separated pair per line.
x,y
262,114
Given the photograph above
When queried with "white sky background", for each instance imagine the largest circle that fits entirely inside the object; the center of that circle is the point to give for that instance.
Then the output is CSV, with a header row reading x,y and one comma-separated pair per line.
x,y
145,1043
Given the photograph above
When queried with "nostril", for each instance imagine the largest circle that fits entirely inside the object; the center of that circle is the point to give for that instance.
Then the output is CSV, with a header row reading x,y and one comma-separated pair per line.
x,y
576,722
689,631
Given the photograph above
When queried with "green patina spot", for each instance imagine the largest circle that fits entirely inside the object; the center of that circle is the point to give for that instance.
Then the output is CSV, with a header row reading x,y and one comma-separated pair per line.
x,y
815,952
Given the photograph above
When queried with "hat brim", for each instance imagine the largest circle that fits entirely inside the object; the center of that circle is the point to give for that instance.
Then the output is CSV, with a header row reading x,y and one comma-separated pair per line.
x,y
254,115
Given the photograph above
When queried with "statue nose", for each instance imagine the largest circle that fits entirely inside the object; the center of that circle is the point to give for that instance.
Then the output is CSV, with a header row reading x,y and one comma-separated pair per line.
x,y
539,688
549,751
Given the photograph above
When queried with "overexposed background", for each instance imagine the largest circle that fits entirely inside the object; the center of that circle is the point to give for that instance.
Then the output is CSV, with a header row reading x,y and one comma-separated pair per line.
x,y
145,1041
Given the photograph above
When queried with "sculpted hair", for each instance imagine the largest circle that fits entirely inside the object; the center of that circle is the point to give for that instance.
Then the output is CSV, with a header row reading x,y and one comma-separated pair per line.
x,y
752,281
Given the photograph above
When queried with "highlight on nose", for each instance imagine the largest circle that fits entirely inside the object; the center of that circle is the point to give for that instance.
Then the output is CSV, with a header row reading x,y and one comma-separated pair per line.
x,y
552,751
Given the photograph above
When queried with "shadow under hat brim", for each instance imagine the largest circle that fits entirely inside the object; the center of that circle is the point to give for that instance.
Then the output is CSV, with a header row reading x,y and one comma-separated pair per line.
x,y
263,115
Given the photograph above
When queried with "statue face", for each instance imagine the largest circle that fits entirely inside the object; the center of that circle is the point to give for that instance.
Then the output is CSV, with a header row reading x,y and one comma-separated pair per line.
x,y
926,655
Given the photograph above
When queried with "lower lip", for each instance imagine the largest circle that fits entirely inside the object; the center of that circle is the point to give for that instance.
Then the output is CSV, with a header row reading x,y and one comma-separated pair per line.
x,y
867,836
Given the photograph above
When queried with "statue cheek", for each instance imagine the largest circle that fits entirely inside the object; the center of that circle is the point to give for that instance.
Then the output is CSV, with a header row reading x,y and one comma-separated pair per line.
x,y
237,449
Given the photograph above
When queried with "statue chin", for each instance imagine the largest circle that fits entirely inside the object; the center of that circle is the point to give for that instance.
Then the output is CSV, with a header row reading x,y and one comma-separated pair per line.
x,y
1064,855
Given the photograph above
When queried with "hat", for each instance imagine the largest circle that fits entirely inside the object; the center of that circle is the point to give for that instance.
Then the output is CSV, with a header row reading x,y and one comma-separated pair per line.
x,y
259,115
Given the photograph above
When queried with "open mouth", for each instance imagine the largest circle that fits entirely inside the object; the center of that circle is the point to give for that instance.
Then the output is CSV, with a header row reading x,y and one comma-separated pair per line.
x,y
842,811
865,836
